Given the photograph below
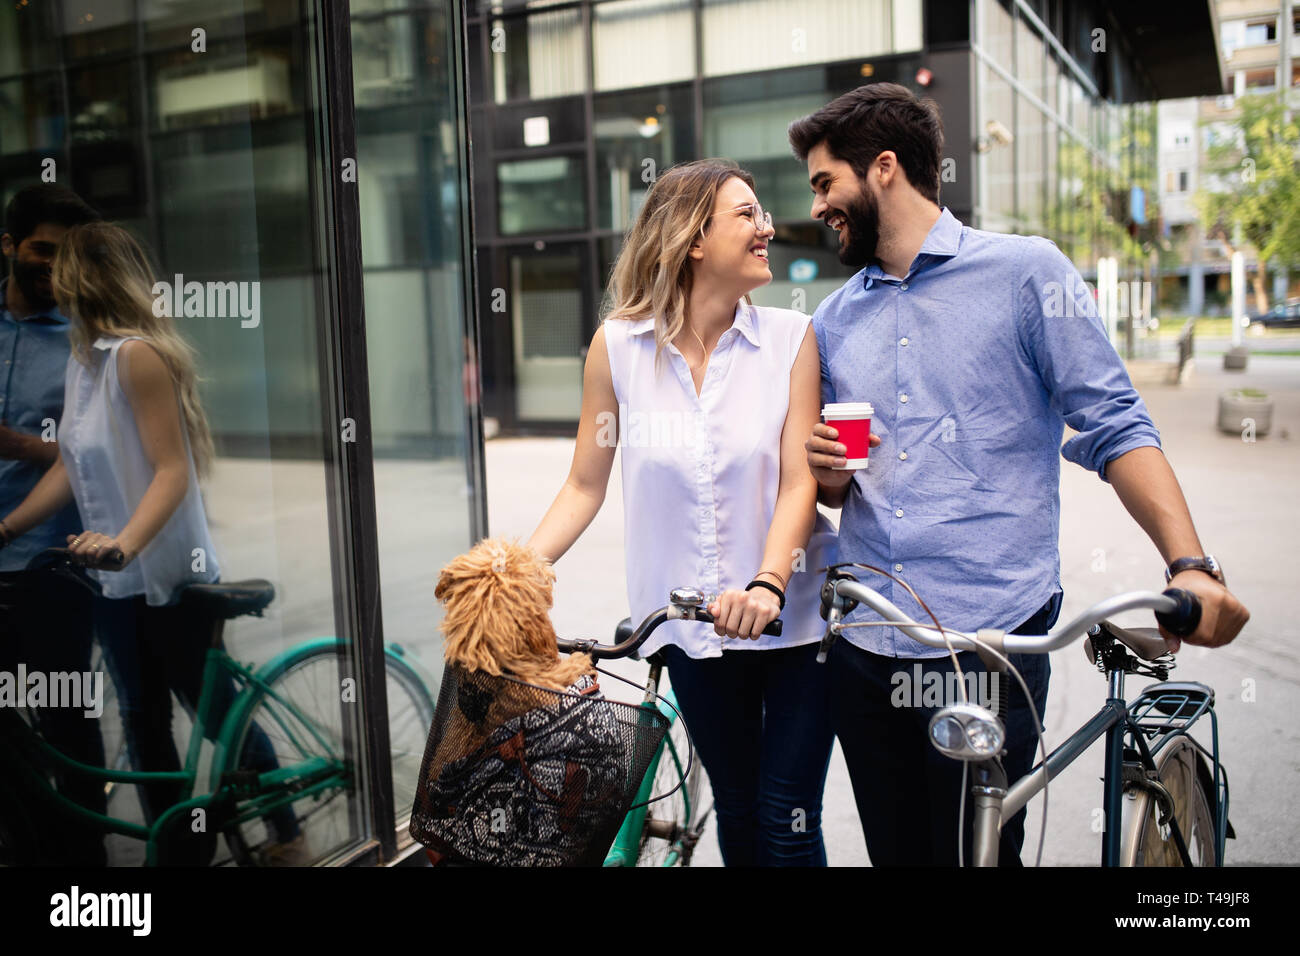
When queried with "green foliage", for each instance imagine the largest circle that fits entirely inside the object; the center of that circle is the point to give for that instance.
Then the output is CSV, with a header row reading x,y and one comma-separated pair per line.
x,y
1092,213
1254,185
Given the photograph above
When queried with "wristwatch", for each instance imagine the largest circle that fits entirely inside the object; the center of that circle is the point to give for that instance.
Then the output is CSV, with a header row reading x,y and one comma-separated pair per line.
x,y
1206,563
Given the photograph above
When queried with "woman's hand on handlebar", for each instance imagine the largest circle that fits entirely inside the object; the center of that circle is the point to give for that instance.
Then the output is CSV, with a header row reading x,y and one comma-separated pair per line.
x,y
744,614
90,549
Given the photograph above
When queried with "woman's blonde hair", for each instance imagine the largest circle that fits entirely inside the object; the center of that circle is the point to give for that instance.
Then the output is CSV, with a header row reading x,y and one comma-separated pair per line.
x,y
652,276
103,280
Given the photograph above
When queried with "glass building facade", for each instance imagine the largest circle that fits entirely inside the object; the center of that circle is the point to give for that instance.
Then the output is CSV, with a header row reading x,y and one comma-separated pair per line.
x,y
575,106
318,154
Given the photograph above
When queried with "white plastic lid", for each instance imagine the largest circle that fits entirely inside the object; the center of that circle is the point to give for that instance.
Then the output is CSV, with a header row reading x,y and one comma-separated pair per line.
x,y
848,410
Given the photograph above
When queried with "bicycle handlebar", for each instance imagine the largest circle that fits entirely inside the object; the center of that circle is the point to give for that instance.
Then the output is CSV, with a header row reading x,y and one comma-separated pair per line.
x,y
114,560
1178,610
670,612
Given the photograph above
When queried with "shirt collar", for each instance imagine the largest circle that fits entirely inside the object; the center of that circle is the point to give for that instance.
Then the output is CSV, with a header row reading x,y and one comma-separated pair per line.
x,y
51,316
941,242
742,322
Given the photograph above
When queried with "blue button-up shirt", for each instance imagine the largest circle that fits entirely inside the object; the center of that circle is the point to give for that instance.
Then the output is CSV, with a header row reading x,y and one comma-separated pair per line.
x,y
33,359
975,361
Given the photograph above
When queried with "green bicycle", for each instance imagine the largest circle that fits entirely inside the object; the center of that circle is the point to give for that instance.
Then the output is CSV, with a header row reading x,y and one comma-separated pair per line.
x,y
668,817
279,769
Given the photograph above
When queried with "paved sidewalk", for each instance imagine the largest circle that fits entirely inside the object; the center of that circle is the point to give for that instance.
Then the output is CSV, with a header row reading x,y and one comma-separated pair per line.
x,y
1243,497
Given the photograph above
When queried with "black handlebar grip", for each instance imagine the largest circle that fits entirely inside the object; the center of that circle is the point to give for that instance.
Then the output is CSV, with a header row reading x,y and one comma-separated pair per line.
x,y
774,628
1185,617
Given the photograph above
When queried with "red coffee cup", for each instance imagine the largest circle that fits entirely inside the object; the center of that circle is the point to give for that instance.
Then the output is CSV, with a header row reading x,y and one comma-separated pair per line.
x,y
853,422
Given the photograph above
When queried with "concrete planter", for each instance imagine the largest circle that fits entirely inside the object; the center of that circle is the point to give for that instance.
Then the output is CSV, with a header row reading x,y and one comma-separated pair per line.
x,y
1234,360
1241,407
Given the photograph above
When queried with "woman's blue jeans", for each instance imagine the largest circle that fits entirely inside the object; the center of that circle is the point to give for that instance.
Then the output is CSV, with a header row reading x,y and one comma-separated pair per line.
x,y
761,725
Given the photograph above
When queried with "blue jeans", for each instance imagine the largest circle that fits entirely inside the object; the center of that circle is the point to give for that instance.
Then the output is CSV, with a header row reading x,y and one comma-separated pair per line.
x,y
908,794
761,726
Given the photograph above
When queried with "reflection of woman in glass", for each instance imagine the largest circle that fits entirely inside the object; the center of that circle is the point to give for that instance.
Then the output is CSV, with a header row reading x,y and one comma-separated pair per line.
x,y
712,398
133,442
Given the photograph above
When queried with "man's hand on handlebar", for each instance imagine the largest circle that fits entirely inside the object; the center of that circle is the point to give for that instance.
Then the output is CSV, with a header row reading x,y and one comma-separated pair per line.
x,y
90,549
1222,615
744,614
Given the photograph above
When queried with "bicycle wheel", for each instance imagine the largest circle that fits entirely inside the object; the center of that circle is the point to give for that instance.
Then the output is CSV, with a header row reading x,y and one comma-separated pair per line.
x,y
1146,842
673,825
301,717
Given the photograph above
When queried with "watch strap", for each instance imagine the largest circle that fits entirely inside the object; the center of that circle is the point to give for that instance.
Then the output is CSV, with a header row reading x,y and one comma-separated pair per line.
x,y
1205,563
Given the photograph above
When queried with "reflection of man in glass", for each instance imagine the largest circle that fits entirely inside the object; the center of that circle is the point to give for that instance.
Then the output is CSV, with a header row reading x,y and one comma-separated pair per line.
x,y
49,626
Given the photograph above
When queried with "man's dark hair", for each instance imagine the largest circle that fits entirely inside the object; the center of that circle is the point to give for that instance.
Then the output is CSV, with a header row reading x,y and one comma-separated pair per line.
x,y
45,202
860,125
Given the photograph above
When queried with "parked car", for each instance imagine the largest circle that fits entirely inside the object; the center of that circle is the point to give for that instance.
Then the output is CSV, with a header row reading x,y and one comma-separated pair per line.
x,y
1285,315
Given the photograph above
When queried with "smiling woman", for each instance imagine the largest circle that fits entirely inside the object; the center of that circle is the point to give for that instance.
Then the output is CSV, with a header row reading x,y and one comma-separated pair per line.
x,y
724,502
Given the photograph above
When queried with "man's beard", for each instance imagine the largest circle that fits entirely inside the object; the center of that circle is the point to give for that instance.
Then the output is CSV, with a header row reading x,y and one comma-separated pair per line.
x,y
862,219
28,277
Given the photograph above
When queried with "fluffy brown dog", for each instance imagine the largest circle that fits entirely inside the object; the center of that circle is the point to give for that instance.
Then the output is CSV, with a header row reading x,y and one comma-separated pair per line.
x,y
498,598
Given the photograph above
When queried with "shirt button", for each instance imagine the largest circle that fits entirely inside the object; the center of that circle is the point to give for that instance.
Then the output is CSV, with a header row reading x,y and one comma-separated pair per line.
x,y
903,286
903,398
902,456
898,567
898,513
903,340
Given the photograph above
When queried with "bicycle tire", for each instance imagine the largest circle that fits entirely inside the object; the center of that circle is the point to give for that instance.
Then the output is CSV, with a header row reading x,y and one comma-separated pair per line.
x,y
309,681
673,825
1144,843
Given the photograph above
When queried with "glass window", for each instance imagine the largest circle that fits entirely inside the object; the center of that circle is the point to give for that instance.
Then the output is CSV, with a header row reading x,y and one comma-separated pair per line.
x,y
907,25
28,38
1030,174
218,167
538,56
420,345
541,195
32,115
746,119
97,27
997,152
743,36
623,30
996,31
1261,31
638,135
1029,59
103,102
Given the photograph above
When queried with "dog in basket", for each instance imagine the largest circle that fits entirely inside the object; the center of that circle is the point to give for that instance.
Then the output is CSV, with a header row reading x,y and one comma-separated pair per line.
x,y
524,760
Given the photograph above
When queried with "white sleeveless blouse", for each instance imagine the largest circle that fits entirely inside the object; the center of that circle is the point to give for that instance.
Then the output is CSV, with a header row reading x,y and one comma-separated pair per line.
x,y
109,474
701,473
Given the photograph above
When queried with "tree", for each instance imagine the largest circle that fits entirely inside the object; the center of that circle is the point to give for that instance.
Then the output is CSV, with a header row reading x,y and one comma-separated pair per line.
x,y
1252,191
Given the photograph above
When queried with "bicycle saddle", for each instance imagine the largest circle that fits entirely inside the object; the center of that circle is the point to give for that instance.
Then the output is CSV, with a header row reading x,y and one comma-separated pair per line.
x,y
1145,642
231,600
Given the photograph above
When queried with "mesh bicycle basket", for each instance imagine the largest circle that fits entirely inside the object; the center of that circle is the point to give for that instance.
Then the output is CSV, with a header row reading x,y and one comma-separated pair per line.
x,y
520,775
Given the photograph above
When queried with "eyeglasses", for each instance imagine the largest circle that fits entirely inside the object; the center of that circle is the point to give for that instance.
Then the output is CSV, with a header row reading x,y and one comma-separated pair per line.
x,y
754,212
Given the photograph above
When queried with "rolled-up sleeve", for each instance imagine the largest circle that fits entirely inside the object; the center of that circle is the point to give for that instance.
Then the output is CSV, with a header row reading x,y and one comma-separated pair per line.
x,y
1085,379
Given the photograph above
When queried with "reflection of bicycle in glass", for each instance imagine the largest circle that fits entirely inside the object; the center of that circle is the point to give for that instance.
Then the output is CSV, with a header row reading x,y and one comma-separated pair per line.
x,y
1165,794
280,757
668,817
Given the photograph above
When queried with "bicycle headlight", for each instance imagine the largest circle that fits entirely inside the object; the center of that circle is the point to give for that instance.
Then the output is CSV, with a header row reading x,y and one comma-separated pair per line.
x,y
967,732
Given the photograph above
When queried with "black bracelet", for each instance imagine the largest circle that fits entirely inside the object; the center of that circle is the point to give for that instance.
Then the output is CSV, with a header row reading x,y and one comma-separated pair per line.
x,y
756,583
